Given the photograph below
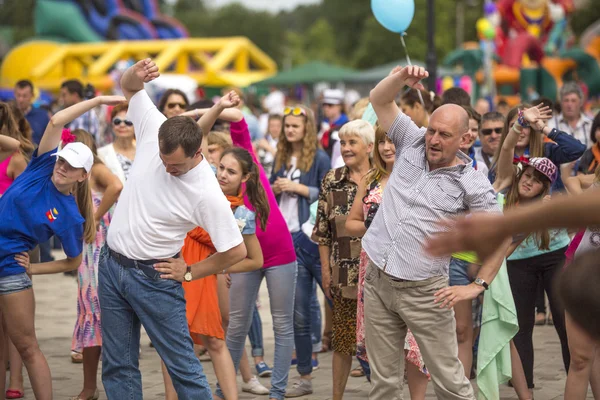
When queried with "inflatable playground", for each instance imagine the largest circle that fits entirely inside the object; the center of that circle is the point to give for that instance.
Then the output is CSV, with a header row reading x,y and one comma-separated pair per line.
x,y
525,50
87,39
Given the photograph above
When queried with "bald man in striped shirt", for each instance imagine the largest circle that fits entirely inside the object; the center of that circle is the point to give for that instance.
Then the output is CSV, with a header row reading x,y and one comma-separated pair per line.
x,y
405,287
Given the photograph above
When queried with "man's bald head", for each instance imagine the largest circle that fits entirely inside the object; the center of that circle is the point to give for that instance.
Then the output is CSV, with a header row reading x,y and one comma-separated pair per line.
x,y
448,129
455,113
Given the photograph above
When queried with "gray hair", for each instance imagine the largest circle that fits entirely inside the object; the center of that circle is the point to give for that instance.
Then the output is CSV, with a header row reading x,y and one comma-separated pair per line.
x,y
360,128
571,87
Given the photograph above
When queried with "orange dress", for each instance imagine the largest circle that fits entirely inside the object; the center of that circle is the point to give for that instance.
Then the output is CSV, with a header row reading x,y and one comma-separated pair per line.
x,y
202,302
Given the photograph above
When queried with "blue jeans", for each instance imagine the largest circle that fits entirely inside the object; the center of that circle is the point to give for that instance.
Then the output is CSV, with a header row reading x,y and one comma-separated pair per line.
x,y
309,269
316,335
14,283
281,281
256,335
129,298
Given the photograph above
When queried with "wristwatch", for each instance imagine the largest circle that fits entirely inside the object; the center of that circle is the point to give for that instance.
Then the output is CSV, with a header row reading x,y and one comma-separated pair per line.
x,y
188,275
482,283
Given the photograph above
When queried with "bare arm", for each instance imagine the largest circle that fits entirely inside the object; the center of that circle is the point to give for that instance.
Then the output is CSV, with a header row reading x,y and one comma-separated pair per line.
x,y
206,123
17,165
383,96
112,185
134,78
8,146
53,267
505,169
253,261
214,264
355,223
324,255
53,132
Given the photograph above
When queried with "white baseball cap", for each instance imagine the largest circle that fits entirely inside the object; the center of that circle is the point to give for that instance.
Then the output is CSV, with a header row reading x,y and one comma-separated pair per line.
x,y
333,96
78,155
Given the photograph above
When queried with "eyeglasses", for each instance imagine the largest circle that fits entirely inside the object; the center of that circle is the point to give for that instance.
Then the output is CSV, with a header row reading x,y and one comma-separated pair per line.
x,y
489,131
171,106
119,121
296,111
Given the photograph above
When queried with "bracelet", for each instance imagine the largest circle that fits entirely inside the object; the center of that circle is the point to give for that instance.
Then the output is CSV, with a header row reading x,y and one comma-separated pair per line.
x,y
521,120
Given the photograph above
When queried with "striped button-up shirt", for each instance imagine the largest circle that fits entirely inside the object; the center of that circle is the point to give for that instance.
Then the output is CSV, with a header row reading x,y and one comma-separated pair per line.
x,y
415,200
581,131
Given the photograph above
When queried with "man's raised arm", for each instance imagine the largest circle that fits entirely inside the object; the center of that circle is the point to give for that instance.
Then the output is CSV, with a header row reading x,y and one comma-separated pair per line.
x,y
383,96
134,78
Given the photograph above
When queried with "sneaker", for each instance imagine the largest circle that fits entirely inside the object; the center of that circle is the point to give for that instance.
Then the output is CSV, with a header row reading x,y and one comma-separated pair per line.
x,y
315,364
263,370
254,386
302,387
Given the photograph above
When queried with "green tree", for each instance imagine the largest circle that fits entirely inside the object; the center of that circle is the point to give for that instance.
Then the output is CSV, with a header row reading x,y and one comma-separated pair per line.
x,y
318,43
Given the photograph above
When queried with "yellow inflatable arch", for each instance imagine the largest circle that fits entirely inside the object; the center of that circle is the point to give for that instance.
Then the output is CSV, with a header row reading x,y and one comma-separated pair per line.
x,y
215,62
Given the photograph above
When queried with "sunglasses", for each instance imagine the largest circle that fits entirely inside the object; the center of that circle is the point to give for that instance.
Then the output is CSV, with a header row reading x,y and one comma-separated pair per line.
x,y
173,105
489,131
296,111
119,121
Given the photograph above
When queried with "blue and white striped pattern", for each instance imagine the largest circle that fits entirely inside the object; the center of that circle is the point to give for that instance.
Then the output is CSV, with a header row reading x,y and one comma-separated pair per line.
x,y
415,200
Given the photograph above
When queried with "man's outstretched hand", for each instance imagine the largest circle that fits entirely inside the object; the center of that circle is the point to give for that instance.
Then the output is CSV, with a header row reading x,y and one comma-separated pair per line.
x,y
480,232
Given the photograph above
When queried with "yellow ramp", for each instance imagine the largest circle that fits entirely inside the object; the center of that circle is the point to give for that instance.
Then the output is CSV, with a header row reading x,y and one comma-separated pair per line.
x,y
212,62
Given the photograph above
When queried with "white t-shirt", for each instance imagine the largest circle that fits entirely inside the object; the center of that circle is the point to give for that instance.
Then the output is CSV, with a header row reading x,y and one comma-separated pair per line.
x,y
156,210
288,203
274,102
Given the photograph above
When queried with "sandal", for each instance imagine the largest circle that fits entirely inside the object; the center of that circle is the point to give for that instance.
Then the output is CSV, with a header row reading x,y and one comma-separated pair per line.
x,y
357,372
76,358
14,394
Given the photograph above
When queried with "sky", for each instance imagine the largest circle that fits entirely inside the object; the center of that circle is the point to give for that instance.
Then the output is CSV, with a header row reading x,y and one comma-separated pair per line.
x,y
269,5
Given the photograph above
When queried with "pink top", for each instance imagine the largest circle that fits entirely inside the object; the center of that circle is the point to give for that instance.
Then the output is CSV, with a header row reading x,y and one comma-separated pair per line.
x,y
276,241
5,180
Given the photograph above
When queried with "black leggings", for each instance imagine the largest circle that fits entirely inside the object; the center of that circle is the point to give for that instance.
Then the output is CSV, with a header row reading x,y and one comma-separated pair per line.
x,y
524,276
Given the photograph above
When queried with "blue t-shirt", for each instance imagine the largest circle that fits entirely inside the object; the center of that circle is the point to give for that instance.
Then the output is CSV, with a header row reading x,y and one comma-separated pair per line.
x,y
38,120
32,211
246,220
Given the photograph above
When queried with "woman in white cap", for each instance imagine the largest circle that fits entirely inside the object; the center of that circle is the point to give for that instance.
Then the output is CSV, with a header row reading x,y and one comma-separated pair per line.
x,y
51,197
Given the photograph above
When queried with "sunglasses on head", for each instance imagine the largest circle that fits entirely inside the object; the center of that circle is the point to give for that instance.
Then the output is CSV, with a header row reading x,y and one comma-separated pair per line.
x,y
489,131
119,121
296,111
173,105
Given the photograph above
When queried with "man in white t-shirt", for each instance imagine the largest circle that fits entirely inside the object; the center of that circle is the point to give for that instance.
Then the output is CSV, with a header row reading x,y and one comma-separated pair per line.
x,y
171,189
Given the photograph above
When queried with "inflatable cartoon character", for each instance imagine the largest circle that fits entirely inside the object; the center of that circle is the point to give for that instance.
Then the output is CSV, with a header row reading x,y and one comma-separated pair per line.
x,y
525,26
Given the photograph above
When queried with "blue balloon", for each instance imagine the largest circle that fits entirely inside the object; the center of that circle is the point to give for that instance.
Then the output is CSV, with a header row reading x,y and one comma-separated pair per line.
x,y
394,15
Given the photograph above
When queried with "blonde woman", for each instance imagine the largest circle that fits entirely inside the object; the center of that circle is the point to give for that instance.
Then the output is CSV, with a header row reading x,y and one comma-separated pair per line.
x,y
296,181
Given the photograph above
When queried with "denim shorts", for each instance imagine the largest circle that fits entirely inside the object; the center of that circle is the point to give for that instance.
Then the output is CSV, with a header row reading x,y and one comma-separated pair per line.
x,y
459,273
14,283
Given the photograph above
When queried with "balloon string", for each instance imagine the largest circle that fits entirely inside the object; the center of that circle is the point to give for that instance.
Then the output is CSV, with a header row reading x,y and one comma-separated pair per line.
x,y
409,63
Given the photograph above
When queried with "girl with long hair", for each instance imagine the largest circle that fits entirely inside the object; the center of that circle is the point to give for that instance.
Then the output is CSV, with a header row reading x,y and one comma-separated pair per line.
x,y
296,181
279,270
105,188
540,255
368,197
58,198
15,126
236,168
559,147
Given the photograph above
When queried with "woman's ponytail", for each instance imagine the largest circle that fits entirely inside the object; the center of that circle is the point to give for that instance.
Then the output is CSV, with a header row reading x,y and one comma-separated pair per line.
x,y
83,197
258,196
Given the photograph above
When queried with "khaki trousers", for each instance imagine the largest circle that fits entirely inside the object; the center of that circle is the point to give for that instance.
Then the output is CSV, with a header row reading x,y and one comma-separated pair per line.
x,y
390,308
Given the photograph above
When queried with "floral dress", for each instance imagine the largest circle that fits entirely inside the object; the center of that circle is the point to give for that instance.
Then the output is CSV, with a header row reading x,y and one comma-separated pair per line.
x,y
375,195
87,332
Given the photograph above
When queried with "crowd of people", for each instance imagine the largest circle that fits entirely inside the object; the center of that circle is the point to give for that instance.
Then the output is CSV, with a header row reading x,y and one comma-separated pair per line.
x,y
172,215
